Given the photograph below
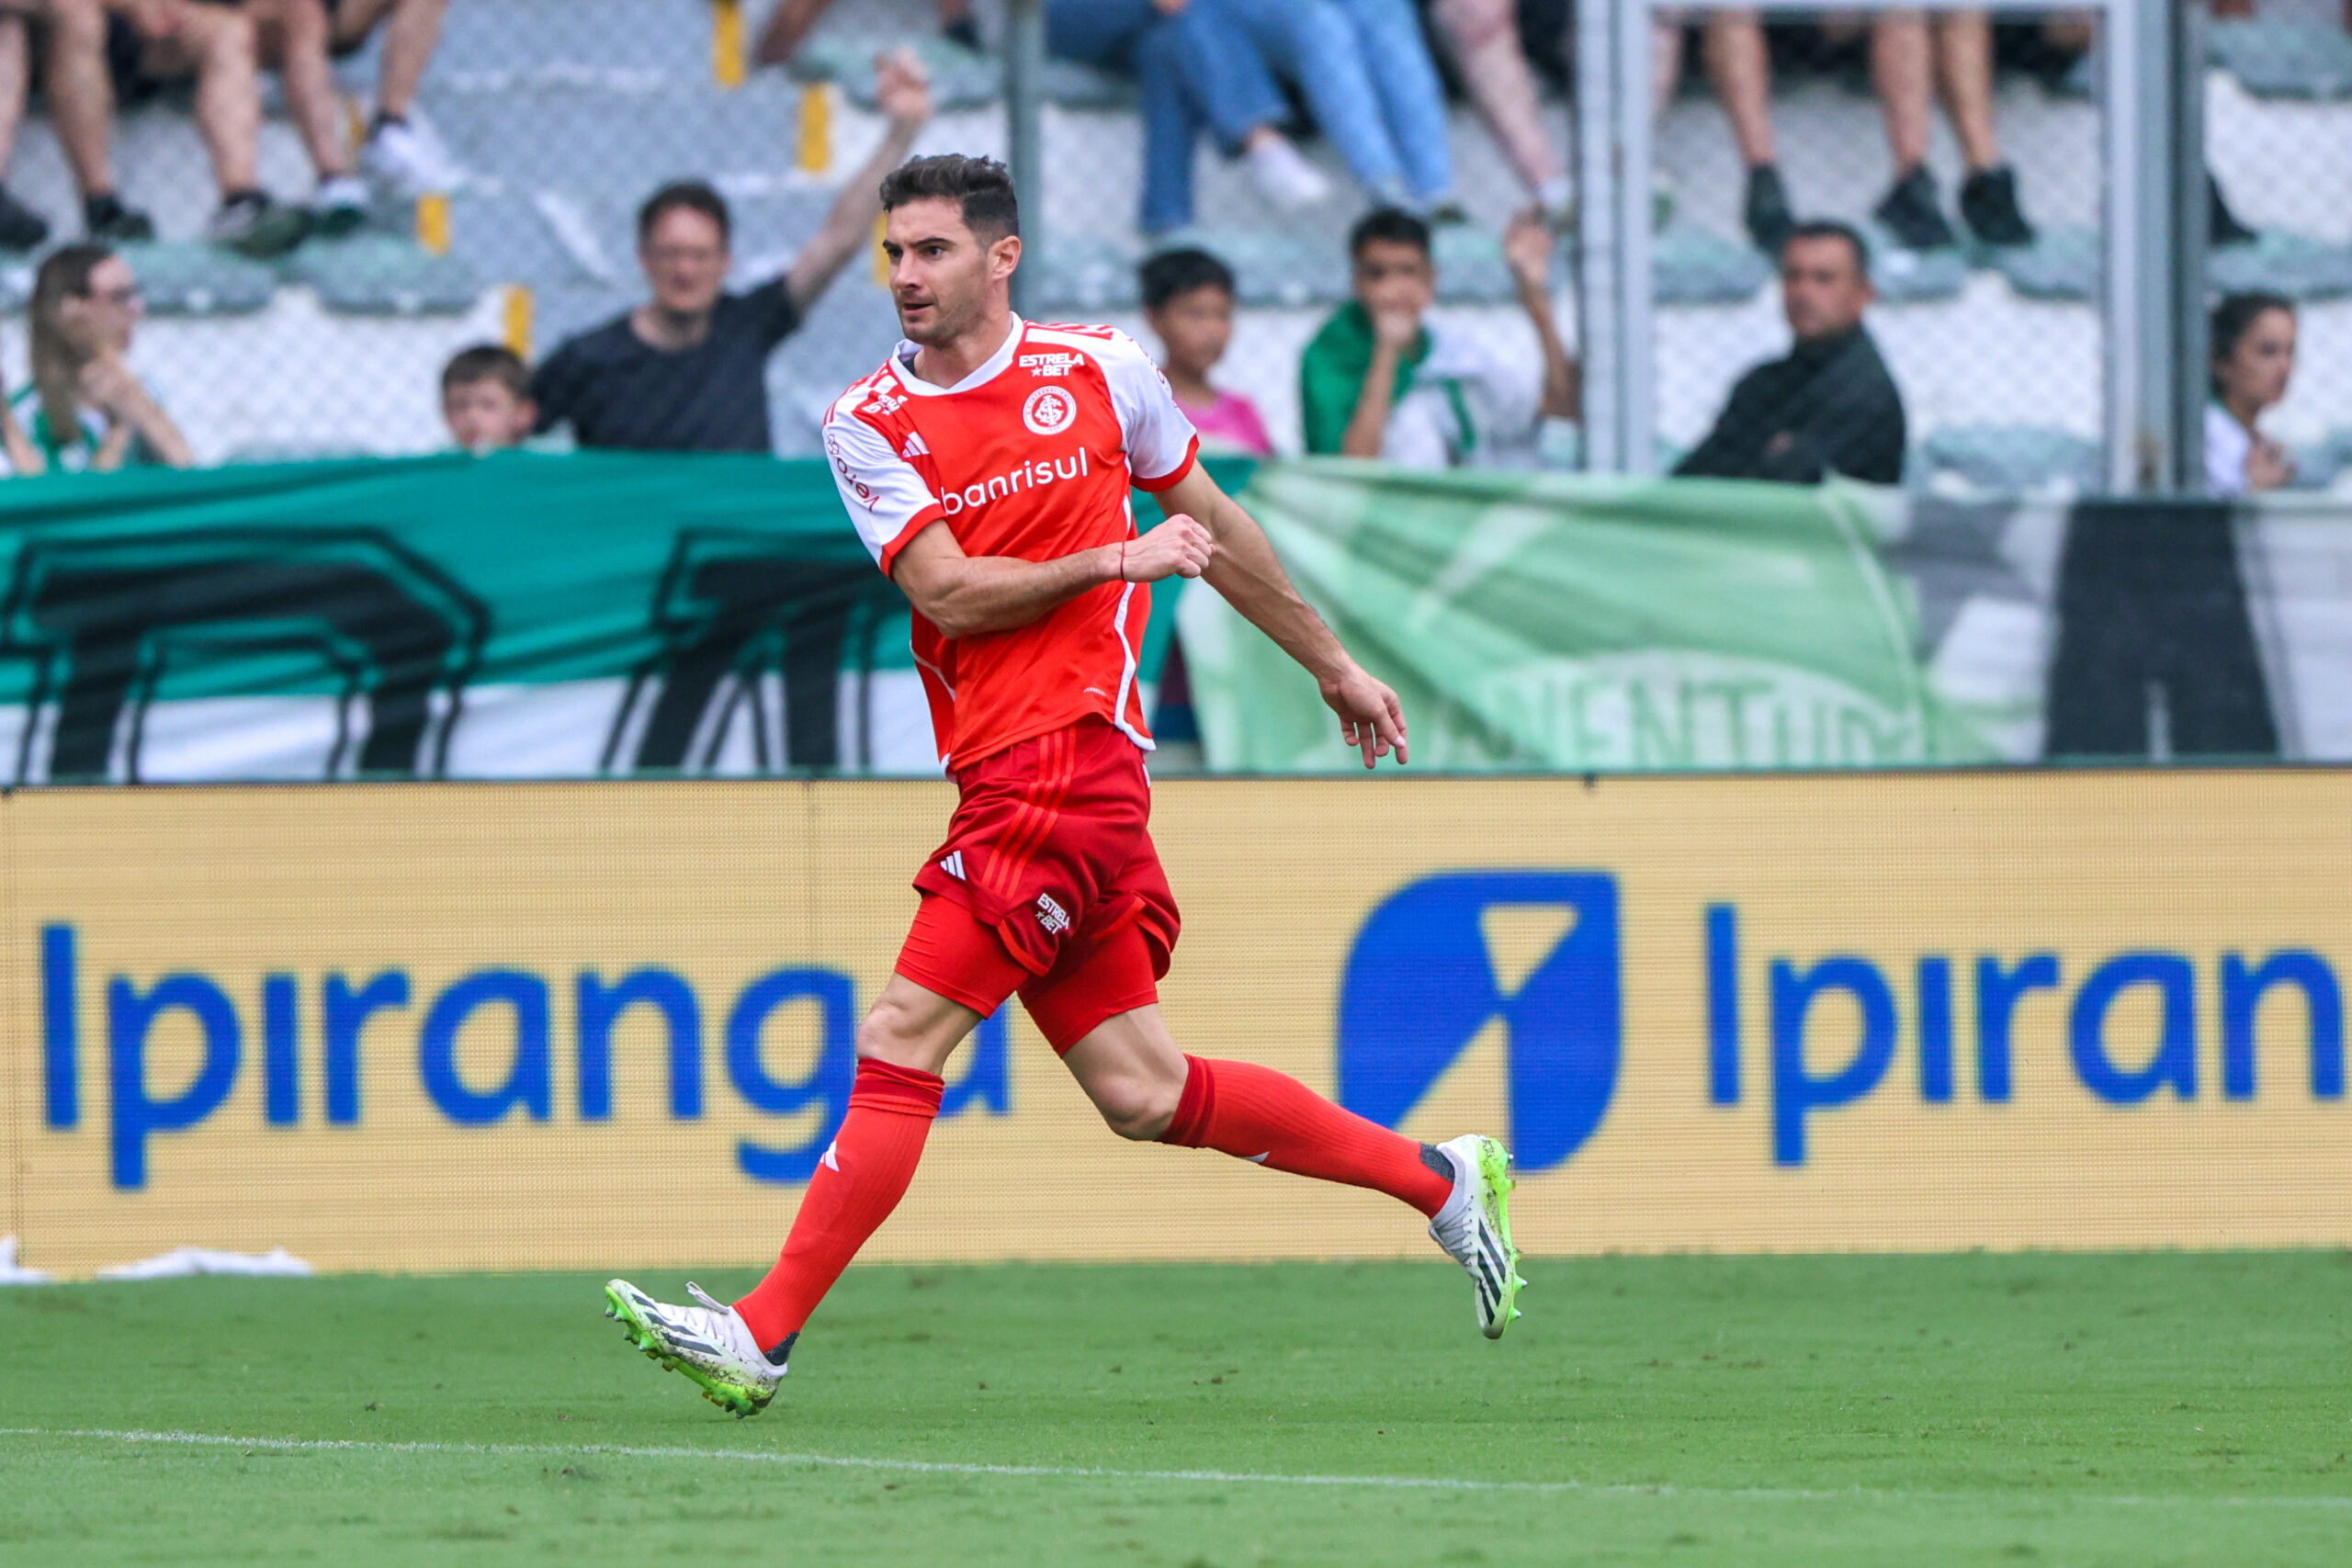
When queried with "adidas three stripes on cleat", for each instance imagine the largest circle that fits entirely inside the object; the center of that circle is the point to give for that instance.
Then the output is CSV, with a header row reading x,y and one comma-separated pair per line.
x,y
1475,1227
710,1346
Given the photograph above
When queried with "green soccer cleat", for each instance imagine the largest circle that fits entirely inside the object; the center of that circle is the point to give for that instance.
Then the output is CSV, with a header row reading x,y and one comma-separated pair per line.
x,y
1475,1227
710,1346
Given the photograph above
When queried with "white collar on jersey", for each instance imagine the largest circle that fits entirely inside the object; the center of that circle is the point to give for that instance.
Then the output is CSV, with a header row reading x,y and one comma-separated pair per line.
x,y
902,360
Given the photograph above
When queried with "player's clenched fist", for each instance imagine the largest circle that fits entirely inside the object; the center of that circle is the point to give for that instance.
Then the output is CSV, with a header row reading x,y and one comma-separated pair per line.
x,y
1177,548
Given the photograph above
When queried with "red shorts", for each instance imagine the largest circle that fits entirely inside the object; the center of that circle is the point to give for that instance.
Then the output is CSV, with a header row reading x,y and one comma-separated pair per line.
x,y
1048,885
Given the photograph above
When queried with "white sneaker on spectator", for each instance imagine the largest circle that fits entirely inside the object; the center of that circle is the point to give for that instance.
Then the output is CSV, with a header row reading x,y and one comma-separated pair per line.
x,y
407,160
338,206
1285,175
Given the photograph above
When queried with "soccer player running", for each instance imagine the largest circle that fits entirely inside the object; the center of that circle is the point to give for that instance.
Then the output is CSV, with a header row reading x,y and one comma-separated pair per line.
x,y
988,467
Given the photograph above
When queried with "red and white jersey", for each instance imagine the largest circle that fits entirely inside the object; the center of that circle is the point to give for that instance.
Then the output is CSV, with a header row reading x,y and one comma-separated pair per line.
x,y
1033,456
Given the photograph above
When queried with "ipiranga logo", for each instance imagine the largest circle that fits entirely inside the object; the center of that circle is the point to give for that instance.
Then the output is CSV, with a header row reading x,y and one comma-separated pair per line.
x,y
1535,952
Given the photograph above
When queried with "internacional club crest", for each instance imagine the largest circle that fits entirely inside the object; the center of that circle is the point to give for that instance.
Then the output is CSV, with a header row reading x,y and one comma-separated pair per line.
x,y
1049,411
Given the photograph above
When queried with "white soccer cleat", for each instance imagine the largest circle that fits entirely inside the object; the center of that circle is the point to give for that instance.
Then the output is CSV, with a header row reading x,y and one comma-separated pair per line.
x,y
709,1345
1475,1227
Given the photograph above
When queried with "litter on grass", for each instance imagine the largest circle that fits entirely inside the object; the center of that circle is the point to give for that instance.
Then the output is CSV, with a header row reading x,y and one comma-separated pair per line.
x,y
15,1274
183,1261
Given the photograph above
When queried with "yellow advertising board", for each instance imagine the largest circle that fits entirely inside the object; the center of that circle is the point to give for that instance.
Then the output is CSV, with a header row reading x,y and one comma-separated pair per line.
x,y
436,1027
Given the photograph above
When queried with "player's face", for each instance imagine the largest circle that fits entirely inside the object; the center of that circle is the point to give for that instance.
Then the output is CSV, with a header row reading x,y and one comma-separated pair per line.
x,y
486,416
684,257
1393,277
1195,327
1823,289
943,277
2257,372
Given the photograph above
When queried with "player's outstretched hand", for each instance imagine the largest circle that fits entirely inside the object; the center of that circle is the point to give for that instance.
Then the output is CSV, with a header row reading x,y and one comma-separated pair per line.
x,y
1177,548
1371,719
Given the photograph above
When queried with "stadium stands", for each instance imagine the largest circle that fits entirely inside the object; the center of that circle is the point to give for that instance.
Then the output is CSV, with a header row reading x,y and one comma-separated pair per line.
x,y
564,113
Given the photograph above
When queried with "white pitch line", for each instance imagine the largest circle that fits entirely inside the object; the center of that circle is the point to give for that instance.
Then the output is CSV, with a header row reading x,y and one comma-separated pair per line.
x,y
1091,1472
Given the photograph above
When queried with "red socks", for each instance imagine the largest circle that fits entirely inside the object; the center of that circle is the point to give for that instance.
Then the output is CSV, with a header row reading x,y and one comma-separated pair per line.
x,y
1257,1114
862,1179
1236,1108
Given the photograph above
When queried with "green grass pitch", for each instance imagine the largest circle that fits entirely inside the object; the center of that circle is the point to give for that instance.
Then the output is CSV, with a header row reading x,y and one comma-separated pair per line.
x,y
2139,1410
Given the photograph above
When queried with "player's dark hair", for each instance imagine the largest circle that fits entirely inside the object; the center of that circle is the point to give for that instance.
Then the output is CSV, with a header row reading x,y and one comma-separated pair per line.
x,y
1393,224
1831,229
2232,318
685,196
1173,274
486,362
981,187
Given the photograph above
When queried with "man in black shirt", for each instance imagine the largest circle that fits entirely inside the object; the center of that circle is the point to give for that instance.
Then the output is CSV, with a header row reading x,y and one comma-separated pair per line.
x,y
1829,406
687,370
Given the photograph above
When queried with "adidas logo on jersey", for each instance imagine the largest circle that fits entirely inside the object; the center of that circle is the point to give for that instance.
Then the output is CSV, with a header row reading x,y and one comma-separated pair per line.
x,y
954,866
1052,916
916,446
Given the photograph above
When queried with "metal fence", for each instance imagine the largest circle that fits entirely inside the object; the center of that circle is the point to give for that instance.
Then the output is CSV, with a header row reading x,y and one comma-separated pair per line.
x,y
2065,354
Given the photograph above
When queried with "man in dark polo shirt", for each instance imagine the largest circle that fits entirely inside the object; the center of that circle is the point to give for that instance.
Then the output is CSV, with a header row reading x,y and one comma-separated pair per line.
x,y
1829,406
687,370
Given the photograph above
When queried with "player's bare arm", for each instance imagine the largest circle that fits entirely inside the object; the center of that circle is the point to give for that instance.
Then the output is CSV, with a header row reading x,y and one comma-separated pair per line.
x,y
1246,571
964,594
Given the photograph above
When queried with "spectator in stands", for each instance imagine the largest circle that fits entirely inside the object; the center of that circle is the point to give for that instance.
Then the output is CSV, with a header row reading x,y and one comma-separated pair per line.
x,y
1956,49
1381,381
486,398
1739,67
687,370
292,38
1197,73
85,409
1828,406
1483,37
400,152
1365,70
17,454
168,40
1188,303
81,109
788,25
2253,345
298,39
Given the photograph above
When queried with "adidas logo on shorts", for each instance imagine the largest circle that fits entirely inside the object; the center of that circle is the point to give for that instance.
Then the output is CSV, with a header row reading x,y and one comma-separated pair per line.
x,y
1052,916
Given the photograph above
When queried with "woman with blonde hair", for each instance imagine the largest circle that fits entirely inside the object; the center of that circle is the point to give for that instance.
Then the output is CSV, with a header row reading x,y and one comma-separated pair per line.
x,y
85,410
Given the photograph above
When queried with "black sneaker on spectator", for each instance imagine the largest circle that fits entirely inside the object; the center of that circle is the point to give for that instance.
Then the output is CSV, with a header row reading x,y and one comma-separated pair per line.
x,y
1911,215
1765,210
338,207
1988,205
251,224
21,228
107,221
2221,225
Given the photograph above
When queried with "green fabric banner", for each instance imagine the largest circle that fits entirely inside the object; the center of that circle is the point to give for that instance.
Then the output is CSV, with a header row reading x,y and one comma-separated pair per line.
x,y
1575,623
521,615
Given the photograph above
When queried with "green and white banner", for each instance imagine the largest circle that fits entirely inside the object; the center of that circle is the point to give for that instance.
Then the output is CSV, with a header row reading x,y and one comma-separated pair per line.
x,y
1563,623
522,615
606,614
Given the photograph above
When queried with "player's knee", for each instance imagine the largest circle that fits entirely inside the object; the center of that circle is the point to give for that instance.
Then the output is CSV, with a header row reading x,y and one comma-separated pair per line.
x,y
889,1034
1138,1108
